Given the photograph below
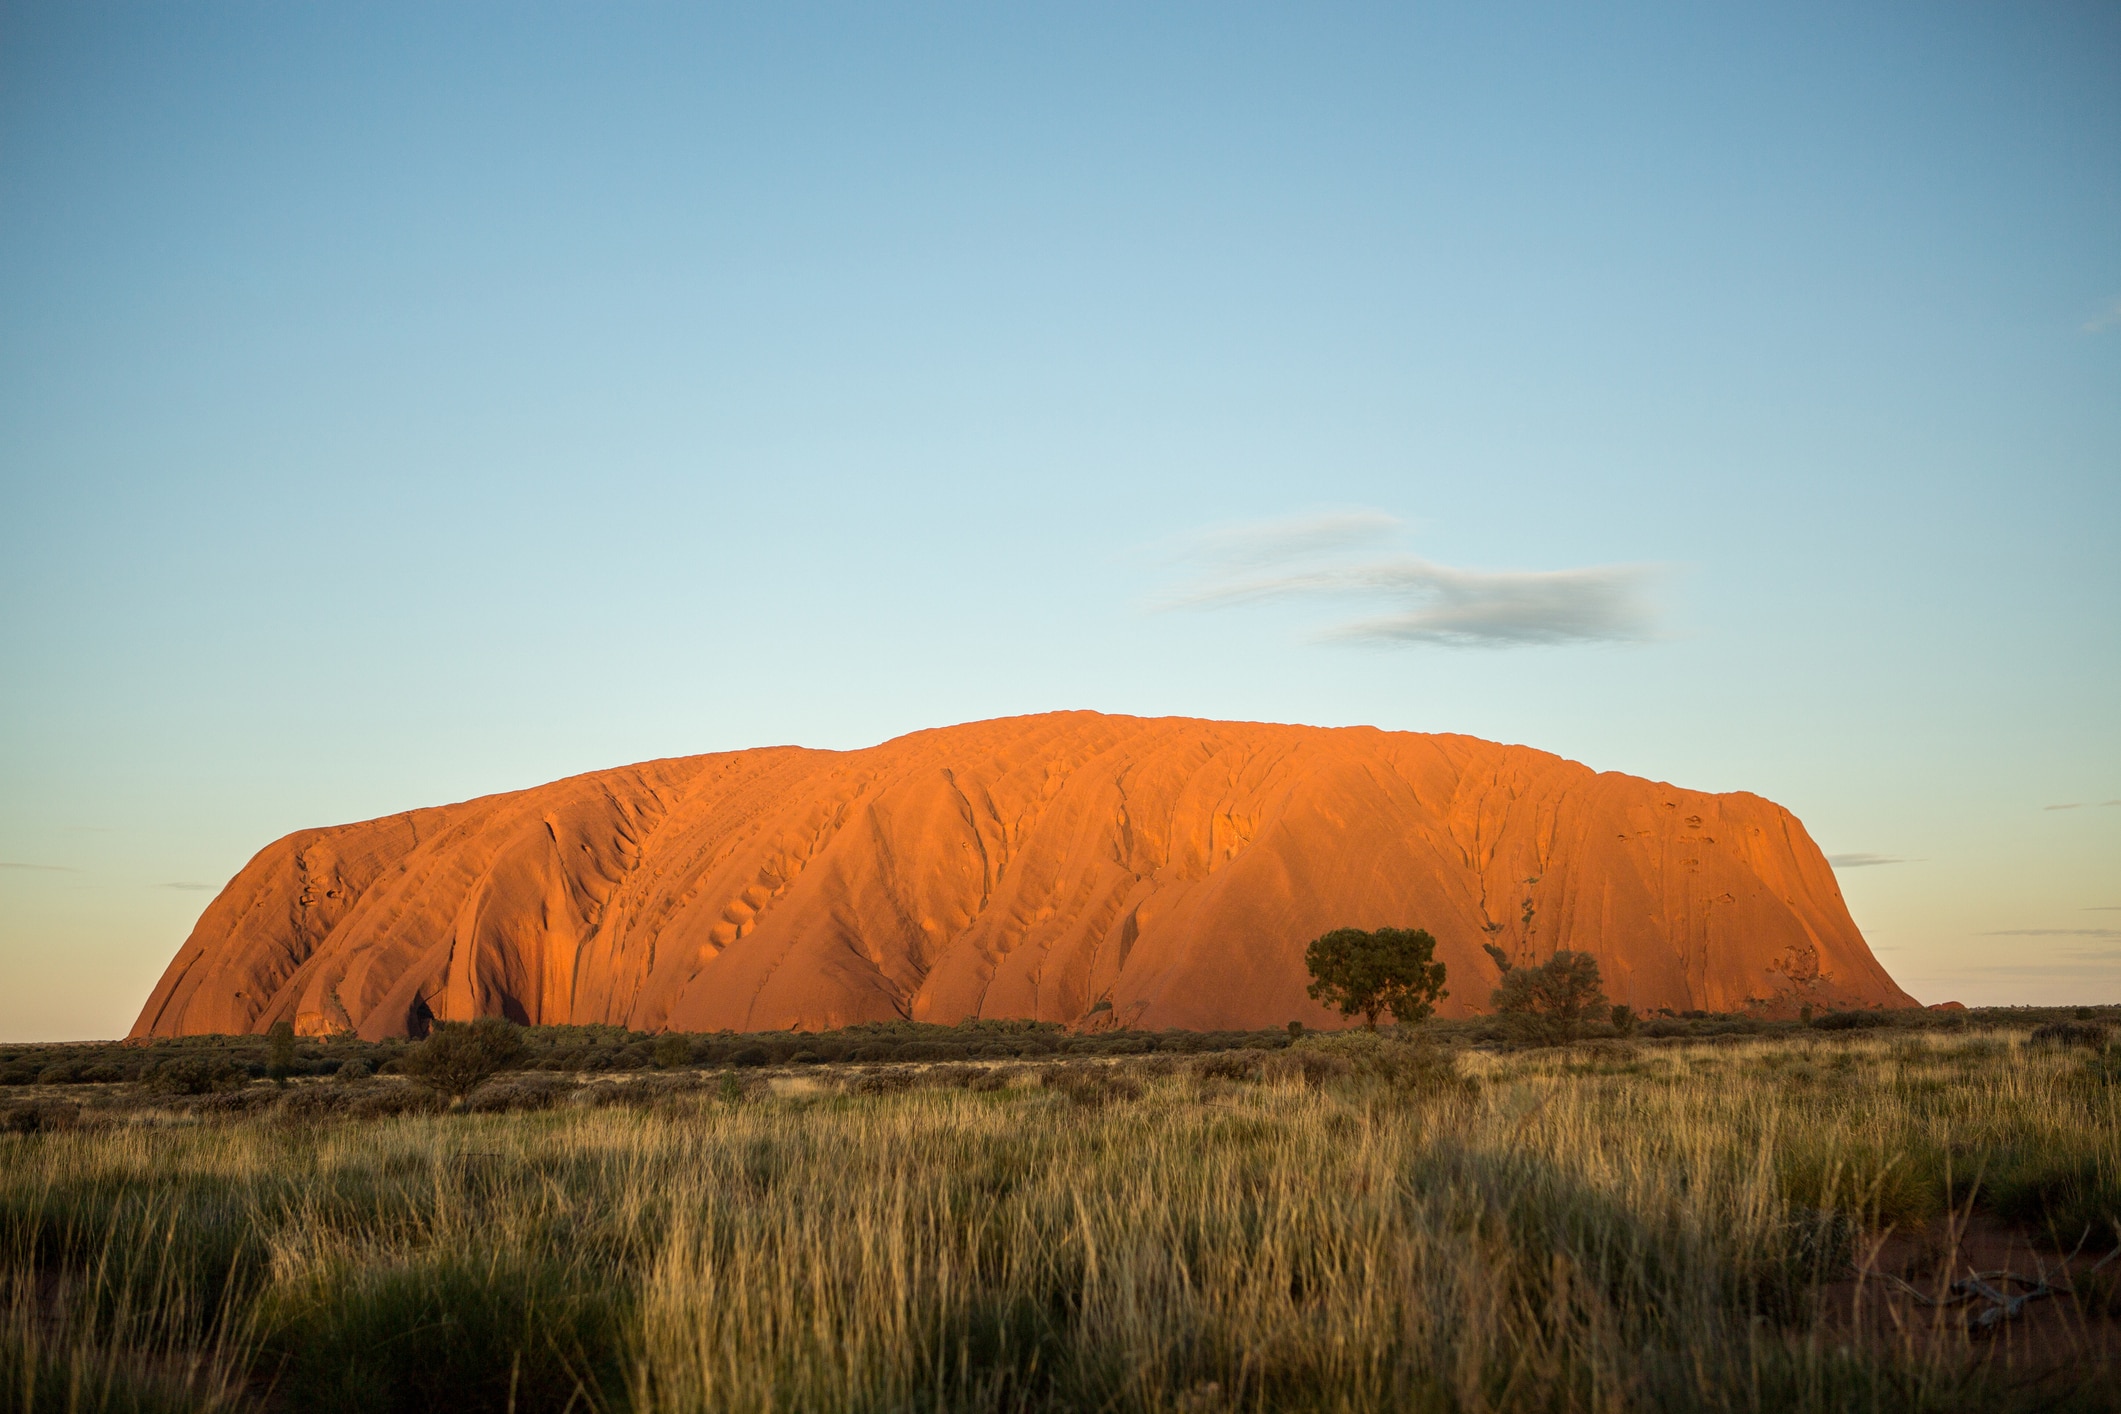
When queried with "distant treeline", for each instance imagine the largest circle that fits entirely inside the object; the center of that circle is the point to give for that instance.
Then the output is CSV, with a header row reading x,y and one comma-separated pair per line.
x,y
193,1062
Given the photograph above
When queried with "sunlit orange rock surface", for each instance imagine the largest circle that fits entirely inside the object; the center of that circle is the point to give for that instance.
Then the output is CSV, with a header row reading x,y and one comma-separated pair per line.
x,y
1071,867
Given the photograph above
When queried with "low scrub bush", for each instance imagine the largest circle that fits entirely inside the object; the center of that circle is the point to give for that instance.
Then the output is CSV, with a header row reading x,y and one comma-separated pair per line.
x,y
234,1104
2091,1035
1306,1065
391,1101
1851,1021
40,1118
1227,1065
1416,1067
317,1102
1092,1086
194,1075
519,1094
881,1081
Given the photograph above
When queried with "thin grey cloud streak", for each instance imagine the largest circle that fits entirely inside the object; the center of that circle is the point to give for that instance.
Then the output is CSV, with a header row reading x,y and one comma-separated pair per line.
x,y
185,886
1864,861
2052,933
2098,964
39,868
2079,805
1413,600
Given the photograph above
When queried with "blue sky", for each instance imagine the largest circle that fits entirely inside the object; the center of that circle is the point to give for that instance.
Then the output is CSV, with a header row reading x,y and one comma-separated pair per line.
x,y
405,402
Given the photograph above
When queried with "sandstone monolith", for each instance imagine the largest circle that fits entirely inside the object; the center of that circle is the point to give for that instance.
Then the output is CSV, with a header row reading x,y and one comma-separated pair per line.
x,y
1070,867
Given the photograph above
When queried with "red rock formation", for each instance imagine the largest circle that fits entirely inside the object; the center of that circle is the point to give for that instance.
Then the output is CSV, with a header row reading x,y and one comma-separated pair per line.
x,y
1030,867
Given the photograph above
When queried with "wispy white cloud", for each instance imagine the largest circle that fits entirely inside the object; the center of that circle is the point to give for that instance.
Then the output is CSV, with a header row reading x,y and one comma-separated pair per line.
x,y
2079,804
1865,861
1246,547
1410,599
2105,319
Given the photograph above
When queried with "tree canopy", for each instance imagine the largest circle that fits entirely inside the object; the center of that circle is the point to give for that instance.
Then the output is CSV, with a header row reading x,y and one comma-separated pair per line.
x,y
1390,970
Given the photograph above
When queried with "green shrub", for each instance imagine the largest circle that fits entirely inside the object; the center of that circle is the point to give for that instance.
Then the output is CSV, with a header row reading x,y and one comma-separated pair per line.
x,y
457,1058
194,1075
1549,1002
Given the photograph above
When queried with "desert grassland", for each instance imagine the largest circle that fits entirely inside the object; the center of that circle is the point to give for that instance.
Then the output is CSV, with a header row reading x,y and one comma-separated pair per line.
x,y
1358,1225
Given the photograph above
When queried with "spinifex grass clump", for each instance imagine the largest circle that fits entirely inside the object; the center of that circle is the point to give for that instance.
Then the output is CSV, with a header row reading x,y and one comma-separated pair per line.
x,y
127,1325
1347,1223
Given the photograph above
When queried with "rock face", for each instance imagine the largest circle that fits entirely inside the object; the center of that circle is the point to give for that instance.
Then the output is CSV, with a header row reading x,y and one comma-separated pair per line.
x,y
1069,867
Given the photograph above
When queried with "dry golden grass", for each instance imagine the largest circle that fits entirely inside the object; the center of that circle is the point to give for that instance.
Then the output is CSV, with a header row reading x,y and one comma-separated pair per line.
x,y
1605,1228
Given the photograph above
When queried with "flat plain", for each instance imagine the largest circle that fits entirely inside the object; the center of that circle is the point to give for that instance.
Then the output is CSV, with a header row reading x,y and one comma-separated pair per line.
x,y
1897,1217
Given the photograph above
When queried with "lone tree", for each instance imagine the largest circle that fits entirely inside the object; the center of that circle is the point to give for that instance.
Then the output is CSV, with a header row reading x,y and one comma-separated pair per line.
x,y
1392,969
455,1057
1553,999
